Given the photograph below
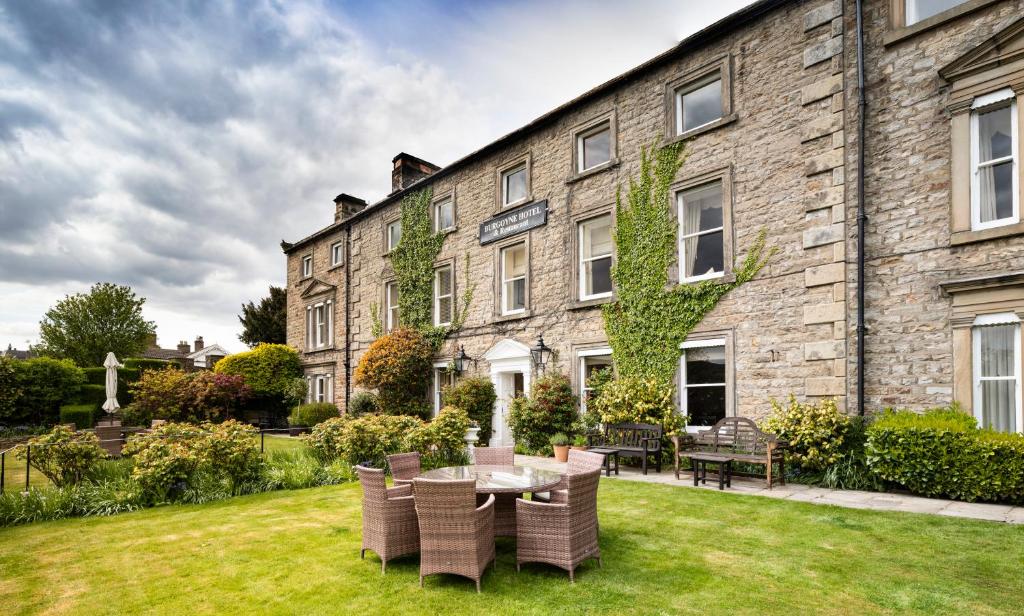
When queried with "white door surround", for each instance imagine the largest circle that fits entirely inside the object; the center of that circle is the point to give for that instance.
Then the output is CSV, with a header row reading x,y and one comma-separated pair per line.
x,y
507,358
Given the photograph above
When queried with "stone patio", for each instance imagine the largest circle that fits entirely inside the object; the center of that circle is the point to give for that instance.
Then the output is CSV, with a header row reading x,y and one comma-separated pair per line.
x,y
882,501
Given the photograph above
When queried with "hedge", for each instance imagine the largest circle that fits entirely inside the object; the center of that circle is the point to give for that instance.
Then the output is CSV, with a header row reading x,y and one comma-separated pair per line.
x,y
308,415
82,415
942,452
94,394
141,363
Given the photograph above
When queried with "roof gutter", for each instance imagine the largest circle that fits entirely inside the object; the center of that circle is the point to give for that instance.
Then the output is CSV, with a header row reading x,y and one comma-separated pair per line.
x,y
862,217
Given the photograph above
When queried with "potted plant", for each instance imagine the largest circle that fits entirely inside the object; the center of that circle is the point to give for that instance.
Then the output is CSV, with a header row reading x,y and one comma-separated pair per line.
x,y
472,433
560,443
579,442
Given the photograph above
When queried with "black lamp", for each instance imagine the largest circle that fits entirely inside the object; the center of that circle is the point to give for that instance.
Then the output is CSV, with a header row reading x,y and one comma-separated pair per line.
x,y
461,360
541,353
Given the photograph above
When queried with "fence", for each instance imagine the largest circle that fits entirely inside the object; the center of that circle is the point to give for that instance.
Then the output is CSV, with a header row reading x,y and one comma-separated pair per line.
x,y
19,474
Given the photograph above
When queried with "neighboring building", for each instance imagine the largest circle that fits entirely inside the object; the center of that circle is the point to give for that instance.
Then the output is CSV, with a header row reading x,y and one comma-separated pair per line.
x,y
187,358
206,356
768,102
14,353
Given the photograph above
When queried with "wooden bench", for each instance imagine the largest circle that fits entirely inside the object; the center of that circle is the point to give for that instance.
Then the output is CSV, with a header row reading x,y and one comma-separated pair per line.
x,y
632,440
740,439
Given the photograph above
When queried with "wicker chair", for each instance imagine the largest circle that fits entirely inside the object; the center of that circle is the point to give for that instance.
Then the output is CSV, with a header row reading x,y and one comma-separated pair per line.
x,y
497,456
563,535
579,462
456,536
404,466
389,517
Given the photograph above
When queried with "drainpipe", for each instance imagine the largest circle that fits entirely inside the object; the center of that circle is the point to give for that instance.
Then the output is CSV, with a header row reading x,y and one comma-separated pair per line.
x,y
348,314
862,217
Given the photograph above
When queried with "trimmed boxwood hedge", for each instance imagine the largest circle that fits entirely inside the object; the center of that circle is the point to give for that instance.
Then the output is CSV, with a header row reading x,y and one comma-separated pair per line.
x,y
942,452
82,415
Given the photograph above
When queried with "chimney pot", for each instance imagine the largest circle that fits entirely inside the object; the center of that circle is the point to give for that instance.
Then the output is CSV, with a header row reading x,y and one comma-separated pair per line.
x,y
183,347
346,206
199,343
408,169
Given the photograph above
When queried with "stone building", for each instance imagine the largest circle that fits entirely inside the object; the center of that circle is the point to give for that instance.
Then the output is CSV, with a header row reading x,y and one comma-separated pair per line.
x,y
768,103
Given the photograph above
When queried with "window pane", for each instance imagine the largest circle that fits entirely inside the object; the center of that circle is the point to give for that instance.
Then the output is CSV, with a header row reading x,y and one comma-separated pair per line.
x,y
705,405
517,294
996,192
703,254
443,289
995,130
705,365
597,148
394,234
515,185
997,350
598,276
918,10
999,405
515,261
702,209
702,105
445,215
597,237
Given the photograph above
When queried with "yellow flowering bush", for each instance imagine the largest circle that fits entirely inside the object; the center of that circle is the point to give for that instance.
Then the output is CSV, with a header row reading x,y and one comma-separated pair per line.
x,y
815,432
639,400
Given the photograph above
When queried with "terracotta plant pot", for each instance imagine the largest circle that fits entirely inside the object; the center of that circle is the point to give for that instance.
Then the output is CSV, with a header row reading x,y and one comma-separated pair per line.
x,y
561,453
579,448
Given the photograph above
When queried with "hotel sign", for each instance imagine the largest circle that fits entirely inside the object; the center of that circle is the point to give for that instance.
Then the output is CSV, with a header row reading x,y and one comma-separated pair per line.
x,y
514,222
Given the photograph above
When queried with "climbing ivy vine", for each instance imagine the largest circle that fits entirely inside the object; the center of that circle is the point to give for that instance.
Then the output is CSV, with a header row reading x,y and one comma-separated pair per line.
x,y
650,319
413,261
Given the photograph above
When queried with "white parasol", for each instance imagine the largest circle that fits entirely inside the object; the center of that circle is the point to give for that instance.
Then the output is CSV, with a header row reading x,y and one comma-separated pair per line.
x,y
111,364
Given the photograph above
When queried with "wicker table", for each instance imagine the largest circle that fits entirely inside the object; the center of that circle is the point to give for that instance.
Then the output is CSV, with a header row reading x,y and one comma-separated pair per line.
x,y
506,483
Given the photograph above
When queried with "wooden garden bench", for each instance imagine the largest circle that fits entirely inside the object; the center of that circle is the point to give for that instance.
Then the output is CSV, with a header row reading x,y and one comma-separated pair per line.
x,y
632,440
740,439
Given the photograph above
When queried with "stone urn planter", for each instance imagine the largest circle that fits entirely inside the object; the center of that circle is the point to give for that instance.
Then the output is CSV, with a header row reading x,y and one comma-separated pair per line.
x,y
472,435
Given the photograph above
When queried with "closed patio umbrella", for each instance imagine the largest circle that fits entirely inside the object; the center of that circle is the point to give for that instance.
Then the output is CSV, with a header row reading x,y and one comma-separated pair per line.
x,y
111,364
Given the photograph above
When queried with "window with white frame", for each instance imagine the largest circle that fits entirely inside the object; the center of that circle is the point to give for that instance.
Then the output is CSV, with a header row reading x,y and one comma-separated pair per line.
x,y
698,103
444,215
701,233
307,266
702,381
319,388
591,361
337,253
997,387
995,198
394,234
594,147
919,10
443,295
443,378
513,185
595,258
390,306
513,279
320,325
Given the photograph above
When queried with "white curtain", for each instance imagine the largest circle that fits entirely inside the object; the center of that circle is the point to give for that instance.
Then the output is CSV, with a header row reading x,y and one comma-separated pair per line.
x,y
691,224
998,359
987,126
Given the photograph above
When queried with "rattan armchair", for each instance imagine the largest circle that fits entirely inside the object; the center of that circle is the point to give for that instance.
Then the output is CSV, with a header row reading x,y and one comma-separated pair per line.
x,y
563,535
579,462
389,518
404,467
497,456
456,536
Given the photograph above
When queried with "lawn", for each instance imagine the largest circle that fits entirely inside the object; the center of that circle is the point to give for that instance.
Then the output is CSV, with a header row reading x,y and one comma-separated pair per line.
x,y
666,550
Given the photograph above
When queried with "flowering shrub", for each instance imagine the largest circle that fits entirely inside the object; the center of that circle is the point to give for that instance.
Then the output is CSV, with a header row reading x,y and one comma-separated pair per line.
x,y
399,367
551,408
166,458
639,400
815,432
173,395
63,455
231,449
476,396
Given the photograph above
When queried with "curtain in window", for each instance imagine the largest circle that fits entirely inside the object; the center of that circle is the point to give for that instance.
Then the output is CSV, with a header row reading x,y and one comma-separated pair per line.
x,y
691,224
997,382
995,182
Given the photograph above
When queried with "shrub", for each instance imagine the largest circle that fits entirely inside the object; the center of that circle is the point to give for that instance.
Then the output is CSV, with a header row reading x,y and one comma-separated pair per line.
x,y
212,397
362,403
639,400
231,450
45,385
442,441
267,369
142,364
399,367
325,439
476,396
165,459
942,452
551,408
63,455
79,414
158,395
815,432
312,414
92,394
10,388
372,438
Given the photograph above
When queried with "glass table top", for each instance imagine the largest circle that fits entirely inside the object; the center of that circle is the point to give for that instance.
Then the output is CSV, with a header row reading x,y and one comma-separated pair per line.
x,y
491,479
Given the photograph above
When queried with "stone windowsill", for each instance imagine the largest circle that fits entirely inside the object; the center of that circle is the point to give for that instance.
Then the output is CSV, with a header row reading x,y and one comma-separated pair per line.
x,y
320,350
611,164
959,238
700,130
591,303
900,34
505,318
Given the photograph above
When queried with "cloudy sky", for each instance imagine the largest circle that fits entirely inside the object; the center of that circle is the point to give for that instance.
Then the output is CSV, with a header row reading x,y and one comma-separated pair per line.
x,y
170,146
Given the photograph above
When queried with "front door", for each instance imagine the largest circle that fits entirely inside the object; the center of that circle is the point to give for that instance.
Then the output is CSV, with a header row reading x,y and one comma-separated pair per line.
x,y
508,385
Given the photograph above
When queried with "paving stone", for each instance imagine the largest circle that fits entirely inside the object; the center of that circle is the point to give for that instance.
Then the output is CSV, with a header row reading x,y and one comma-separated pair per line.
x,y
979,511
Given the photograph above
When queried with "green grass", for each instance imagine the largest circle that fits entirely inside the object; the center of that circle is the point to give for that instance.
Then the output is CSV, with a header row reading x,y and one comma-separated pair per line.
x,y
279,442
666,550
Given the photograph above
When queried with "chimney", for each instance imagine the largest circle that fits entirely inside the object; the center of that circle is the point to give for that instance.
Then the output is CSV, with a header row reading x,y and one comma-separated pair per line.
x,y
407,169
183,347
346,206
151,340
199,344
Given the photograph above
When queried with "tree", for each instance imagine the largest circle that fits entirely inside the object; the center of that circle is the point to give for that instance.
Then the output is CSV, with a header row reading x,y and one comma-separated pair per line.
x,y
265,322
398,366
86,326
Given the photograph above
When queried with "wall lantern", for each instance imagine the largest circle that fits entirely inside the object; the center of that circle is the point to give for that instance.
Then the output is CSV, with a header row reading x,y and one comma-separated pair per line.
x,y
461,360
541,354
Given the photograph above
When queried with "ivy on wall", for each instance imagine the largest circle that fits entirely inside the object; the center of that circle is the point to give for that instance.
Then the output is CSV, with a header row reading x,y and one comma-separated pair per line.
x,y
413,261
650,319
